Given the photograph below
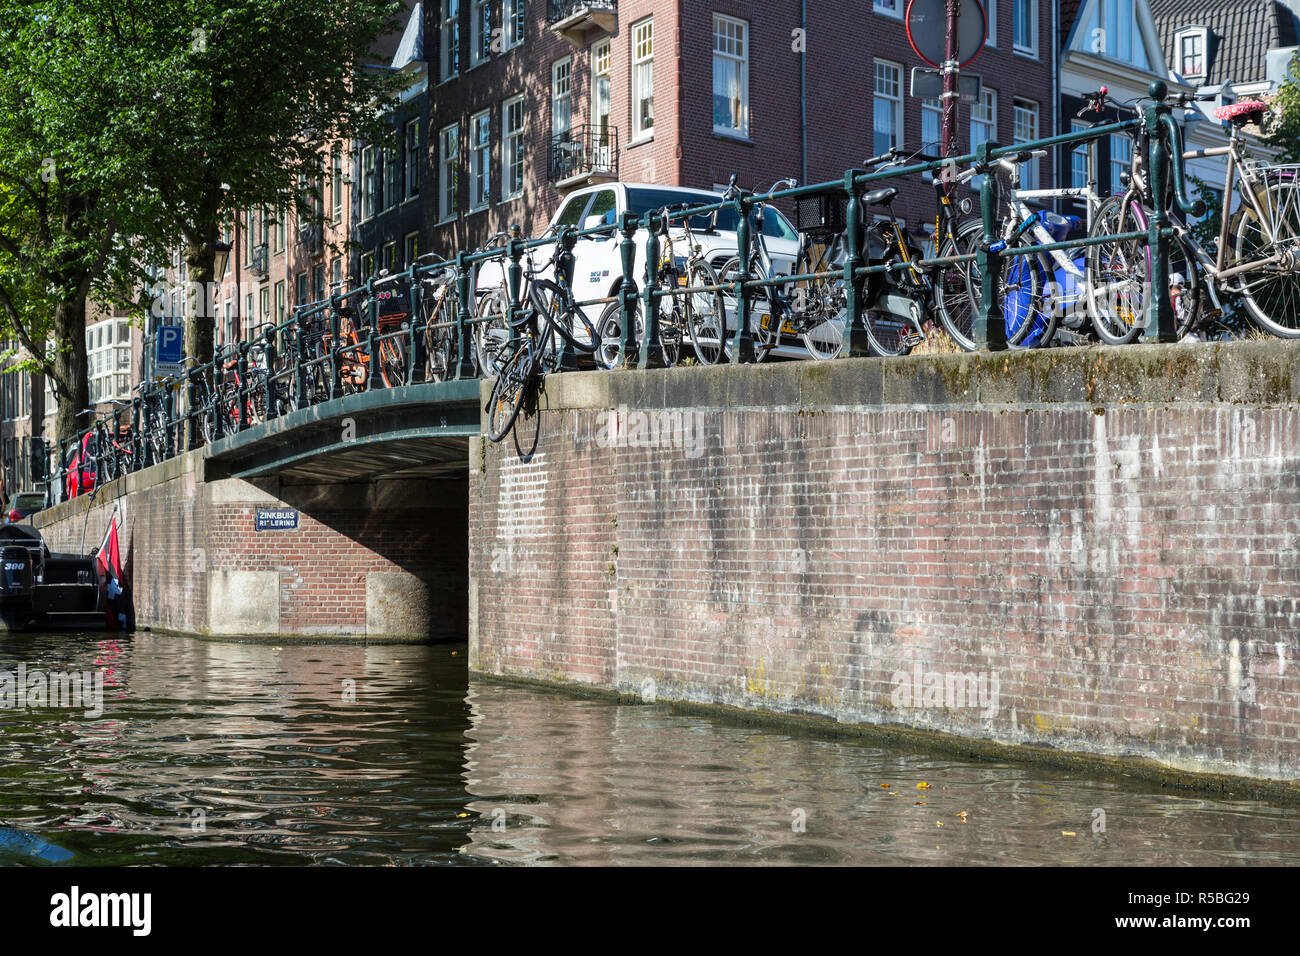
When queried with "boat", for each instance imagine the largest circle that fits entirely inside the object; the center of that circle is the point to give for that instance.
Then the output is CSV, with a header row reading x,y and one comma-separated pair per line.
x,y
40,590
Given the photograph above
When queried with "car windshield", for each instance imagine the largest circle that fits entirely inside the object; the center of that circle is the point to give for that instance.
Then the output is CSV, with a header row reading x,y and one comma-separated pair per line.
x,y
32,502
642,201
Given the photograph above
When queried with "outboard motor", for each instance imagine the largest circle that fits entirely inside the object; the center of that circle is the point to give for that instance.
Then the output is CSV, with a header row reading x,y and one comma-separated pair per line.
x,y
15,578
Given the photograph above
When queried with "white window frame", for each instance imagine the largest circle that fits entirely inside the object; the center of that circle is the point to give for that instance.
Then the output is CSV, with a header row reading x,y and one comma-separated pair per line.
x,y
1201,35
932,107
411,159
889,8
1032,49
1021,109
449,172
108,360
1121,165
514,10
478,42
1079,151
562,93
410,247
896,135
512,147
336,158
991,16
449,40
369,183
480,160
643,55
987,106
735,33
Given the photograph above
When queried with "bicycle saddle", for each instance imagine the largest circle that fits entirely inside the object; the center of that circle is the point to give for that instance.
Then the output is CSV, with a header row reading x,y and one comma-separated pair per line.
x,y
881,197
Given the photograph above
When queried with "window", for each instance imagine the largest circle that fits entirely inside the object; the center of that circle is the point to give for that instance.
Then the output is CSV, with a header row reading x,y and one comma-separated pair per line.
x,y
730,76
412,158
931,125
336,275
480,159
367,265
991,16
983,120
516,17
392,179
1024,26
411,247
231,332
572,210
281,222
891,8
643,79
369,184
512,148
318,283
887,107
1191,53
389,256
1121,155
279,302
108,360
302,292
1079,157
480,32
265,303
338,184
562,98
248,308
1026,129
448,178
600,99
450,38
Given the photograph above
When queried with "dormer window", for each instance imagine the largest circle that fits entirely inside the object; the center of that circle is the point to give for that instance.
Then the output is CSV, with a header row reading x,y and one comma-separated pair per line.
x,y
1189,45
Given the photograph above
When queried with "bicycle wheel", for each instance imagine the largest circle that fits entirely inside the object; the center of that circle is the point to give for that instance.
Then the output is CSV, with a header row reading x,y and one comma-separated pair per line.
x,y
765,324
886,332
392,362
705,315
508,392
569,320
957,288
157,444
1185,291
106,467
1271,294
1117,274
492,330
822,308
1029,324
440,343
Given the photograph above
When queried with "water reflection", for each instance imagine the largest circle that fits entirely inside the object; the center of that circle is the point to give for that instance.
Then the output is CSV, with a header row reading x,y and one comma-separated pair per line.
x,y
228,753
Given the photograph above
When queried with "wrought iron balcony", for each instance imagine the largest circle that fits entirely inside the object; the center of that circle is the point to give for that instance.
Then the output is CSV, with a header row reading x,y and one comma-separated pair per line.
x,y
260,258
573,19
584,154
310,235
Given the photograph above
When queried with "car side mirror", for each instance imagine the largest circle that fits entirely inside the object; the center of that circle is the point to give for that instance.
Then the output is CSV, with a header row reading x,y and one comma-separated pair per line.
x,y
595,222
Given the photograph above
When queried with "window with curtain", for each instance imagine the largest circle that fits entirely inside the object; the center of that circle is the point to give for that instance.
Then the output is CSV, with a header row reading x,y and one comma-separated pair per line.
x,y
643,79
730,75
512,148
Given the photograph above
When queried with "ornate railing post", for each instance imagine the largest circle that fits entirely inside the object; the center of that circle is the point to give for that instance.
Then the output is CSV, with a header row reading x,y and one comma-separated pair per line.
x,y
856,339
414,326
564,265
652,355
627,291
218,383
742,349
372,337
300,399
268,382
336,373
241,389
989,325
191,403
137,442
464,361
515,281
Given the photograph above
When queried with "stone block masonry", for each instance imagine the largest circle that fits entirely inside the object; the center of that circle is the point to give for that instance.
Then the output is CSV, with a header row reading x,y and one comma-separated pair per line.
x,y
376,561
1088,550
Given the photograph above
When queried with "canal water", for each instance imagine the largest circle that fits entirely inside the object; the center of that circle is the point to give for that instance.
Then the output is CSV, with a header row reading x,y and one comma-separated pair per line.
x,y
241,753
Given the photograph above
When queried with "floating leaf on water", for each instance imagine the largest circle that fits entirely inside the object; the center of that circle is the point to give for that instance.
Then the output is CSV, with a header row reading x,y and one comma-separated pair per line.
x,y
1068,833
922,786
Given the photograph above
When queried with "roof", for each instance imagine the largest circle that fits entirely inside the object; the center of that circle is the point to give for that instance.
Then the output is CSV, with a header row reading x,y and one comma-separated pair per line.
x,y
1241,34
411,47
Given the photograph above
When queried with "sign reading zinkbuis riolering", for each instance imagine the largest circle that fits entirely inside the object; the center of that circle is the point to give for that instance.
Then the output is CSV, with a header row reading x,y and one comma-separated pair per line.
x,y
277,519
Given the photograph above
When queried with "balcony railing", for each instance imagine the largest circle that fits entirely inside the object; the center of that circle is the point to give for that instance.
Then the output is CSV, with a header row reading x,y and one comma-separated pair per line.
x,y
309,236
260,256
584,152
572,19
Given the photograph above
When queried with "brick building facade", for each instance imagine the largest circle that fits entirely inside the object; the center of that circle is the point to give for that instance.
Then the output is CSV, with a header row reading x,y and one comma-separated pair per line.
x,y
724,82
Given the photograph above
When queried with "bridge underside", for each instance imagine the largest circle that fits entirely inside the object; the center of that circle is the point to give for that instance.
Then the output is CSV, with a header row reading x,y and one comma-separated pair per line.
x,y
418,431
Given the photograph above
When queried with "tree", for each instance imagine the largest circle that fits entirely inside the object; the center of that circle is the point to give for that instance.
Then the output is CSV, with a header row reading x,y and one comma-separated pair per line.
x,y
1284,134
65,177
252,93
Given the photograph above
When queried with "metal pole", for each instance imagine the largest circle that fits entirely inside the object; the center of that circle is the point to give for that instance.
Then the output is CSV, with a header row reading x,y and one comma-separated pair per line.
x,y
653,354
951,72
990,327
627,292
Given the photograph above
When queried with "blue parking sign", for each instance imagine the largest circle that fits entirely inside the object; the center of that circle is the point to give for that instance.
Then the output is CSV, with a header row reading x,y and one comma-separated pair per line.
x,y
169,349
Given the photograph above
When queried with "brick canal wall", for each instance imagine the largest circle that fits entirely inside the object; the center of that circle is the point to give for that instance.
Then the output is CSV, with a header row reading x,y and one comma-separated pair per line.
x,y
380,560
1090,550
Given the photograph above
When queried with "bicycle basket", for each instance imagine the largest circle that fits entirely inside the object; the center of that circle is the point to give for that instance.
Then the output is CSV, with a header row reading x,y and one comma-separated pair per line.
x,y
820,214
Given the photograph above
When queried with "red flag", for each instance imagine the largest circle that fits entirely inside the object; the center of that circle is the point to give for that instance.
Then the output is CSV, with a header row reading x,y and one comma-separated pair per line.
x,y
110,562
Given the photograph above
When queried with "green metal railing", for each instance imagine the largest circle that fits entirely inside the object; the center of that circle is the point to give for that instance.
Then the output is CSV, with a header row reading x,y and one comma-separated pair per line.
x,y
242,383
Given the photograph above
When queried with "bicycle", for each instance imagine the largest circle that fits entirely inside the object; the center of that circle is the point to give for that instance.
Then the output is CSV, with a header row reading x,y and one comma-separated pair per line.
x,y
1119,270
533,353
439,305
116,447
695,306
153,418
